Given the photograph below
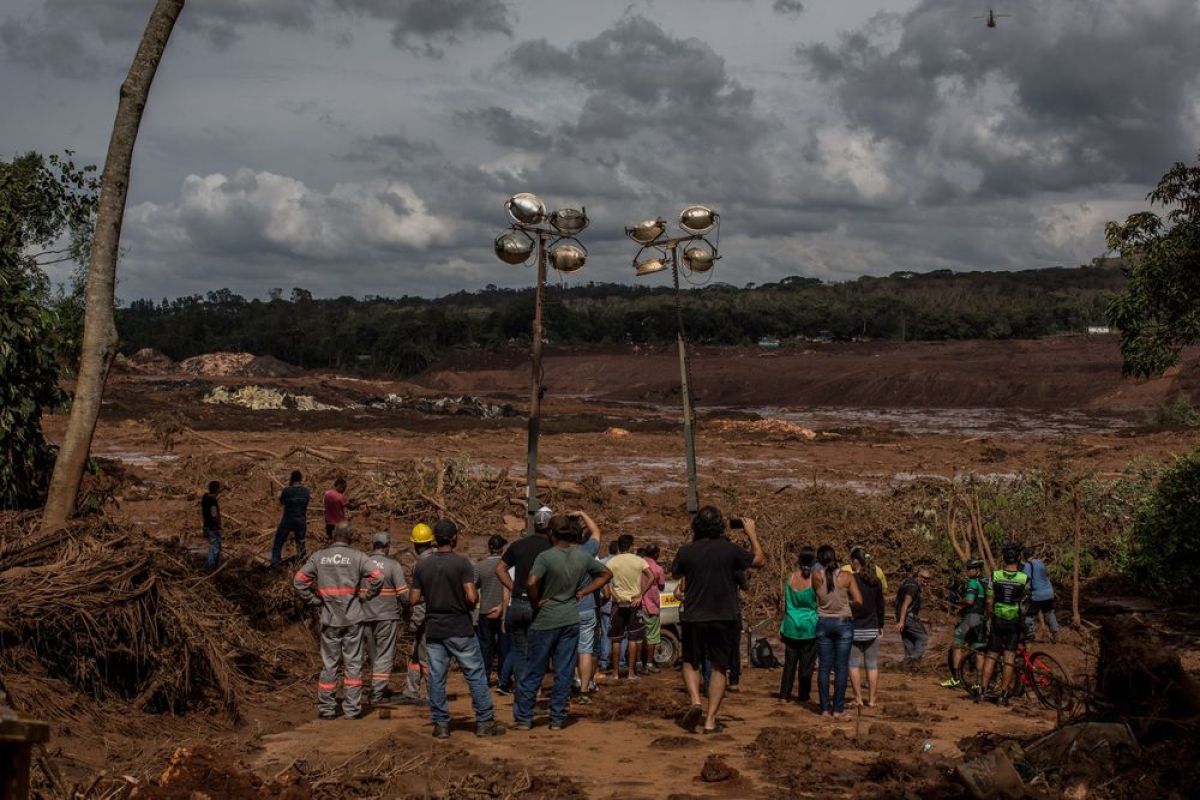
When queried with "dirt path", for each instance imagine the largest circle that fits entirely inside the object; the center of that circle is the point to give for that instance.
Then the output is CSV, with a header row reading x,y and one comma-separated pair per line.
x,y
628,745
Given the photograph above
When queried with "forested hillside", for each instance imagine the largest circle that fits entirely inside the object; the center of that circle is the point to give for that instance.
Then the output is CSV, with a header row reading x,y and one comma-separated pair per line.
x,y
404,335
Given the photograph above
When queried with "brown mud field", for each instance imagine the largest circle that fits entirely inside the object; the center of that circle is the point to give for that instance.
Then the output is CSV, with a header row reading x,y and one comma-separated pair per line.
x,y
846,443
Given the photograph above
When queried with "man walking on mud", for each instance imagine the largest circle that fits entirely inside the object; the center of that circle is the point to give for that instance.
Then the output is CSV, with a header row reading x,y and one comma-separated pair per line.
x,y
711,608
381,618
331,579
445,582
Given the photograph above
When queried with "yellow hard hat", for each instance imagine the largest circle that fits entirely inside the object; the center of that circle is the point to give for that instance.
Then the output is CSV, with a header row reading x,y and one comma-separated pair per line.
x,y
422,533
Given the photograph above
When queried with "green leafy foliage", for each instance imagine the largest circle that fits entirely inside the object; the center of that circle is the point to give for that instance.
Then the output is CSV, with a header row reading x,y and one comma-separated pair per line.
x,y
1158,314
404,335
46,212
1160,550
1177,415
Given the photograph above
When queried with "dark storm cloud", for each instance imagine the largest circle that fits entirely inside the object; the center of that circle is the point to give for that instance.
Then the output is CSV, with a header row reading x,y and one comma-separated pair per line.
x,y
58,52
416,24
504,128
1057,97
788,6
393,149
48,40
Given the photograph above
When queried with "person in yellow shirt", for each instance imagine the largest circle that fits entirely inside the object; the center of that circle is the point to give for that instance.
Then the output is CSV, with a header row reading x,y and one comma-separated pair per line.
x,y
631,576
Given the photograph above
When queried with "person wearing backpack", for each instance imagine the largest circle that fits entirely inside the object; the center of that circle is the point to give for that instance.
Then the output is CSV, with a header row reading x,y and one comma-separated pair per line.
x,y
799,629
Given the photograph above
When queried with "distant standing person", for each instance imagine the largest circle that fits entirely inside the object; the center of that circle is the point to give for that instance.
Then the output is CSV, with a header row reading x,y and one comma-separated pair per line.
x,y
519,557
1041,596
294,502
210,517
418,662
559,578
491,606
589,624
869,617
330,579
908,616
335,505
651,609
604,622
799,629
381,618
630,576
445,582
709,565
836,592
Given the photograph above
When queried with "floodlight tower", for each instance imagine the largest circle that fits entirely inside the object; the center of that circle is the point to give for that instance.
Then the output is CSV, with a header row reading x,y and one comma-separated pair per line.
x,y
699,256
557,246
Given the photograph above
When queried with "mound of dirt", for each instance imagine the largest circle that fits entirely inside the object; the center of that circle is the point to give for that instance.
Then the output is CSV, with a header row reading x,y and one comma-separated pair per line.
x,y
203,772
222,365
260,398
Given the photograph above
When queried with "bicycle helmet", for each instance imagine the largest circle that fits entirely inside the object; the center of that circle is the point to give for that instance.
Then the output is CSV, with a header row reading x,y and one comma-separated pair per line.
x,y
1011,553
974,563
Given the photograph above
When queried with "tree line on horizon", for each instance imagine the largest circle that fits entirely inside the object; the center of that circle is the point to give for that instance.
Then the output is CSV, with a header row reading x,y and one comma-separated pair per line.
x,y
402,336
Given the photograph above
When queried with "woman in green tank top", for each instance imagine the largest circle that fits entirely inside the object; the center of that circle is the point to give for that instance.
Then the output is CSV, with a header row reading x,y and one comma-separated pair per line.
x,y
799,629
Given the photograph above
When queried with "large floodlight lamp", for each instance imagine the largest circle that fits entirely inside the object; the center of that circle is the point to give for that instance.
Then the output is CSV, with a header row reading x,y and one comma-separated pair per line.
x,y
513,247
567,257
650,266
698,219
699,257
569,221
526,208
647,230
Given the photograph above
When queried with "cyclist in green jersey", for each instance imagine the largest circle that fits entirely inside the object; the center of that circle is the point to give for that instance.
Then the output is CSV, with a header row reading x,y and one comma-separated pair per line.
x,y
1005,596
971,624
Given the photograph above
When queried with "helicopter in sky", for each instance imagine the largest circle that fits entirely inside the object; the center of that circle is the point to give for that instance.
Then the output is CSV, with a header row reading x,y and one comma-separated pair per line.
x,y
991,18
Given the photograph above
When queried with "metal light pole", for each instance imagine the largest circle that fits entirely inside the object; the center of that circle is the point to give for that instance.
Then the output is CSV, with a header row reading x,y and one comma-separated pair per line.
x,y
696,221
556,246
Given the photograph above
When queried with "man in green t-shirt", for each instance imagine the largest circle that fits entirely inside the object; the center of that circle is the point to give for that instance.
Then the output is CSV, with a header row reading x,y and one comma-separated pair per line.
x,y
970,629
555,586
1005,596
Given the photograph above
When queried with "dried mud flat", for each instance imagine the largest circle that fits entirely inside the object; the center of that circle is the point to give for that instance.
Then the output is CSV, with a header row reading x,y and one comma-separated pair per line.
x,y
865,471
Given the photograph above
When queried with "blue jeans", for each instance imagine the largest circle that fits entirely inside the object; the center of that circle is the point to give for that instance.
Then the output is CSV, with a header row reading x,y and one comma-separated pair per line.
x,y
214,549
561,643
603,645
492,643
834,639
465,650
520,617
288,525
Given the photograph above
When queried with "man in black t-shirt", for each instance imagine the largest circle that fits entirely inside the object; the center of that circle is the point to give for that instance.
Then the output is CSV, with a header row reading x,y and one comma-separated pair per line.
x,y
519,557
210,519
709,568
294,501
445,581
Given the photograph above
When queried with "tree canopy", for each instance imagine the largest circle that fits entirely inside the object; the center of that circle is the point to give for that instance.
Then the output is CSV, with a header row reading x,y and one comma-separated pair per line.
x,y
404,335
46,211
1158,314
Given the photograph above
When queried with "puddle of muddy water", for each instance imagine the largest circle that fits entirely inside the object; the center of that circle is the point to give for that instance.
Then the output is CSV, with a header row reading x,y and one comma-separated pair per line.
x,y
1015,423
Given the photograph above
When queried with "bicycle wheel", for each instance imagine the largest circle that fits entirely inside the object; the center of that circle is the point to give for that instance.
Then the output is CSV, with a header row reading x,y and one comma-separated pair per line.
x,y
971,670
1050,681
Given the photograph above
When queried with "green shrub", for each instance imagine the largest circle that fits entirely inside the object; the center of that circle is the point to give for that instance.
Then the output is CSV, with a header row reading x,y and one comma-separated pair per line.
x,y
1160,551
1177,415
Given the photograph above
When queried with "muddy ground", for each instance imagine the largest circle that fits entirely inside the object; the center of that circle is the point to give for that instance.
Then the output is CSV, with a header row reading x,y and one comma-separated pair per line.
x,y
883,417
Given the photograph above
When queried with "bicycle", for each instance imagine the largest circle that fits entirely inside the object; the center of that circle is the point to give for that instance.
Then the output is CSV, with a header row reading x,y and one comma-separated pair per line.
x,y
1037,670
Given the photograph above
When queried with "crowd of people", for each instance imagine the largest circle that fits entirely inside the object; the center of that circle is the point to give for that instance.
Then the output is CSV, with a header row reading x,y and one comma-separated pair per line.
x,y
548,603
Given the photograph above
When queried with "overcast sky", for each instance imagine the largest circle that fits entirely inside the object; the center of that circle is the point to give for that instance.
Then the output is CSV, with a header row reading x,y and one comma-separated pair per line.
x,y
367,146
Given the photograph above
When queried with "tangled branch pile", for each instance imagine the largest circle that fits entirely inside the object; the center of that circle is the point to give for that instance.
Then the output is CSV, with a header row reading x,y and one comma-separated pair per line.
x,y
118,615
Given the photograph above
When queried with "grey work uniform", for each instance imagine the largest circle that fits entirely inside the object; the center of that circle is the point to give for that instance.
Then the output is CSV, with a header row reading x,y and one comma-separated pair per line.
x,y
330,579
381,624
418,663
